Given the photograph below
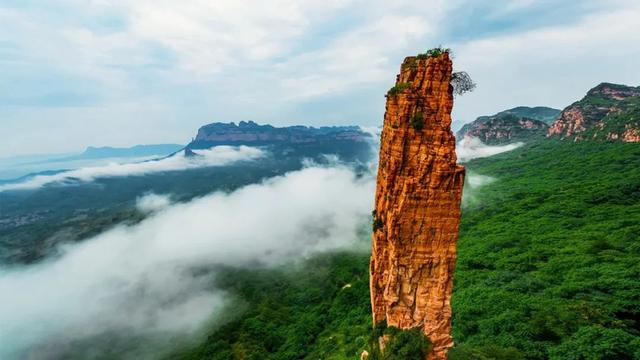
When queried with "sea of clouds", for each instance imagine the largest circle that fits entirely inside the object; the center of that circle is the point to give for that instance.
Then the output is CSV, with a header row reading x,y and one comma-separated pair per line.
x,y
142,278
217,156
146,279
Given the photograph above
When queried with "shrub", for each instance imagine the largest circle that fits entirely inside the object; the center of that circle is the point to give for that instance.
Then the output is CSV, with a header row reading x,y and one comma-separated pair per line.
x,y
411,64
376,223
433,52
417,120
397,89
409,344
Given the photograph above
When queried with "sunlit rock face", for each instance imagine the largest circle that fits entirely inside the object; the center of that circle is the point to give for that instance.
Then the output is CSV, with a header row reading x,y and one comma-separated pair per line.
x,y
417,205
608,112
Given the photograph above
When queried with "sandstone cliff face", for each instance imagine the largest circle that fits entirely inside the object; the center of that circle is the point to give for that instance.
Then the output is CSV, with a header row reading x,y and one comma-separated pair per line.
x,y
607,112
417,210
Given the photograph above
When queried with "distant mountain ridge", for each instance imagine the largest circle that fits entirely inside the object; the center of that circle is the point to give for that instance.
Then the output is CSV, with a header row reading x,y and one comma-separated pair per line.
x,y
519,123
134,151
251,133
608,112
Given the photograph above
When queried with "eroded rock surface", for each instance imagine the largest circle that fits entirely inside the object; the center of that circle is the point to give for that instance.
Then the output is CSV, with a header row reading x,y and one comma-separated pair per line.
x,y
518,124
608,112
417,210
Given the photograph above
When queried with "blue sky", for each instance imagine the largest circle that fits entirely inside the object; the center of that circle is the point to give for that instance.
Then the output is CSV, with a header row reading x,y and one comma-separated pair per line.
x,y
76,73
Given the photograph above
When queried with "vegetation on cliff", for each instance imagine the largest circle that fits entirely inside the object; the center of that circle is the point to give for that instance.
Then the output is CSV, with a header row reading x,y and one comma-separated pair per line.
x,y
616,123
517,124
399,344
607,112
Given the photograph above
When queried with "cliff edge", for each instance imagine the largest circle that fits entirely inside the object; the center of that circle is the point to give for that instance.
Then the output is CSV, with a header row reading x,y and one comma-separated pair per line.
x,y
417,203
608,112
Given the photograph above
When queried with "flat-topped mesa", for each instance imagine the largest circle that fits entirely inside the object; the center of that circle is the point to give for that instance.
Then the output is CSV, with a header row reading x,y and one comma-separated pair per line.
x,y
417,205
250,133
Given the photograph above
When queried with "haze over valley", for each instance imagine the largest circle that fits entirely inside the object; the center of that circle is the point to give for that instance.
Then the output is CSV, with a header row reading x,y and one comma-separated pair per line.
x,y
243,180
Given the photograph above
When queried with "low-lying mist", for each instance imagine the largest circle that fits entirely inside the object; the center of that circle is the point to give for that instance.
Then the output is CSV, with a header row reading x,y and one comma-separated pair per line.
x,y
147,278
470,148
217,156
154,280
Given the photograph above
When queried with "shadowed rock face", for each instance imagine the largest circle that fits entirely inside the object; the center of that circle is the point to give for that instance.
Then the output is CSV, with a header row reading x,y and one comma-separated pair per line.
x,y
250,133
417,210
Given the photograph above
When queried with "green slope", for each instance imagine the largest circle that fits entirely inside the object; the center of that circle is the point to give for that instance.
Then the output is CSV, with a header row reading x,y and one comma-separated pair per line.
x,y
549,254
549,267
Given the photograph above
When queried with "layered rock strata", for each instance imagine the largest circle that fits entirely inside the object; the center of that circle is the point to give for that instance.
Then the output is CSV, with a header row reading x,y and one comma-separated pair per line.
x,y
417,204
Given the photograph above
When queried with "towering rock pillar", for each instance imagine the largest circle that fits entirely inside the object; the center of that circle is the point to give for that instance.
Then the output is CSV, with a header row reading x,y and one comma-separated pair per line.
x,y
417,210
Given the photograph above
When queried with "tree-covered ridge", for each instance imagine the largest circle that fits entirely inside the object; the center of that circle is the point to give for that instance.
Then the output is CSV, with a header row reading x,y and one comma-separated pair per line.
x,y
549,253
625,117
506,128
606,112
316,310
517,124
547,268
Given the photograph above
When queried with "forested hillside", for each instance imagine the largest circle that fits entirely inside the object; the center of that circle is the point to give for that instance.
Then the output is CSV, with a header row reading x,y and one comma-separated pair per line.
x,y
547,268
549,253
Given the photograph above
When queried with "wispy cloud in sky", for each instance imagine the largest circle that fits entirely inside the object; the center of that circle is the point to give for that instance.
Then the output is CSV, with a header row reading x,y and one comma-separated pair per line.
x,y
124,72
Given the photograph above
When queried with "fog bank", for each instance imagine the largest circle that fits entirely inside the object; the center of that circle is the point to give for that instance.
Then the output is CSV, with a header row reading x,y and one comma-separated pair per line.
x,y
142,279
472,148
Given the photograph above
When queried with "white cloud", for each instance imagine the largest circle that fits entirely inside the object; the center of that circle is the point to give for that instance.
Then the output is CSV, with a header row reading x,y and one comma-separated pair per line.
x,y
153,202
202,36
475,180
142,279
472,148
355,58
165,66
473,183
552,65
217,156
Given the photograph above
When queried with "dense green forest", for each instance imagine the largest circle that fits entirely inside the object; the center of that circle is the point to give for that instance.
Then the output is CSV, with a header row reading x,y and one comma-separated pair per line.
x,y
548,268
549,254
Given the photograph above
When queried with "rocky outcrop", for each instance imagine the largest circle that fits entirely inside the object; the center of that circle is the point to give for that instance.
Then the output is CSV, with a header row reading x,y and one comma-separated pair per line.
x,y
544,114
607,112
250,133
504,127
417,204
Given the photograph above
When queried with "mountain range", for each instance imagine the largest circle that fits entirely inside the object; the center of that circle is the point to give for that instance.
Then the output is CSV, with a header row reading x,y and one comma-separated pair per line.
x,y
511,125
103,152
250,133
607,112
